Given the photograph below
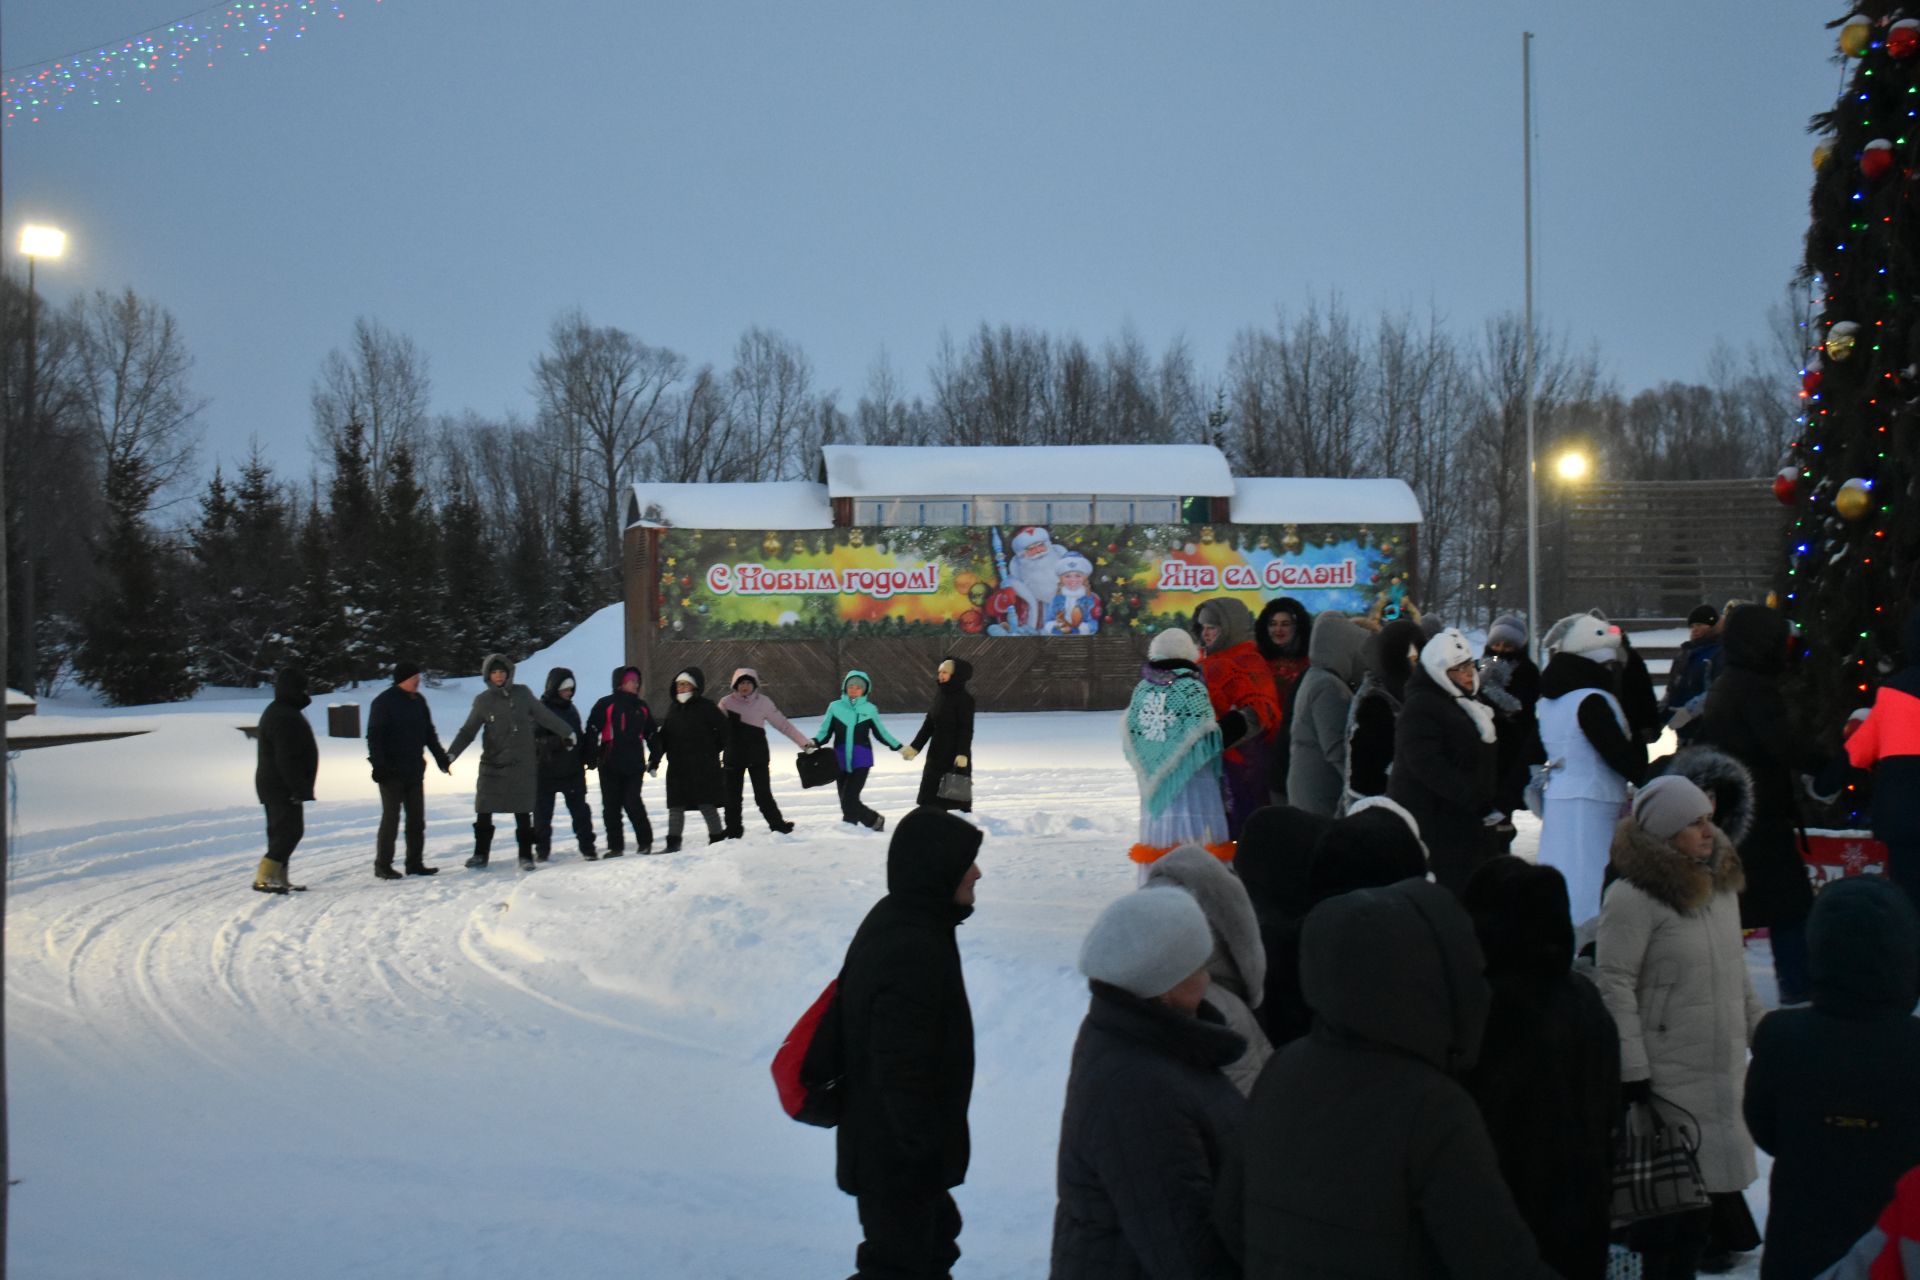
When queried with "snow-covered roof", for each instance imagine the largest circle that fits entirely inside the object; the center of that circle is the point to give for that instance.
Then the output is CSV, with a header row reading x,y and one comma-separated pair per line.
x,y
778,504
1161,470
1318,500
15,698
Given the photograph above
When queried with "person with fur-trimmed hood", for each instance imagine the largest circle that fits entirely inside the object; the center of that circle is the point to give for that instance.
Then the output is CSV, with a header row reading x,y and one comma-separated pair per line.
x,y
1592,755
1150,1120
1317,718
1548,1079
621,731
1673,975
504,715
1284,633
1245,702
1444,757
1390,653
1173,744
749,711
563,771
947,734
692,738
1237,969
1887,741
1363,1154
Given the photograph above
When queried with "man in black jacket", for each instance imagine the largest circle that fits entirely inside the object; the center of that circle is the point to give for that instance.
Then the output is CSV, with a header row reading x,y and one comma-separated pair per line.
x,y
287,762
399,729
620,731
907,1037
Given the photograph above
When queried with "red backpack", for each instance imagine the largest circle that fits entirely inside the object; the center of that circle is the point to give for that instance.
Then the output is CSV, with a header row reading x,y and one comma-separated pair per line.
x,y
807,1070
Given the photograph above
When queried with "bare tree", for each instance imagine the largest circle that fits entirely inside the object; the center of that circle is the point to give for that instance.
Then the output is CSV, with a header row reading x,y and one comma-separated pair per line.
x,y
883,414
133,375
609,391
771,383
381,381
1297,394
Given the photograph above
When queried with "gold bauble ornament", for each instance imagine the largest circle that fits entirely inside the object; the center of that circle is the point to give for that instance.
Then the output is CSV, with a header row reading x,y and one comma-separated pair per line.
x,y
1842,338
1855,37
1854,500
1822,152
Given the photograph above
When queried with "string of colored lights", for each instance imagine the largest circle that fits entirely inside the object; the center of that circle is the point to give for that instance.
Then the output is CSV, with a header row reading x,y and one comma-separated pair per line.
x,y
110,74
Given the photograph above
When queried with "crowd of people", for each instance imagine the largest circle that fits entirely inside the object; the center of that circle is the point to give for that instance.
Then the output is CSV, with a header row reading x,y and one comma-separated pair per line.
x,y
1339,1029
537,751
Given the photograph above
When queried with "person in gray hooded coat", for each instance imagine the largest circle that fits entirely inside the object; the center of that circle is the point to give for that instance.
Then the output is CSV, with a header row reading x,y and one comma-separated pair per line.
x,y
1317,763
503,717
1237,969
1363,1154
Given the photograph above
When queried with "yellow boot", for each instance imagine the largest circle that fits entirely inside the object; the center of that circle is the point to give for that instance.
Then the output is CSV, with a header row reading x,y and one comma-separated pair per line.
x,y
271,877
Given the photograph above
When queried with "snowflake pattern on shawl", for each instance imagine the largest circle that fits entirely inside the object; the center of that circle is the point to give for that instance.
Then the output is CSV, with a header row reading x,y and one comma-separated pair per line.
x,y
1169,734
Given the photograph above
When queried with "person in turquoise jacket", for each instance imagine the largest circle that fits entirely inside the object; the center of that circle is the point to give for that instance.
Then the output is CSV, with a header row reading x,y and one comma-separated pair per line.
x,y
851,724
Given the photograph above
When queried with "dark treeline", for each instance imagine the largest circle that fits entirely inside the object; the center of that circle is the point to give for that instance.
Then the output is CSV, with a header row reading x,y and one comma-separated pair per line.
x,y
138,567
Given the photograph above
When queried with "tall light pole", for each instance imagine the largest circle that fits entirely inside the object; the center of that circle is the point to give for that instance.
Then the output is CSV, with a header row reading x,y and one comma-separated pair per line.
x,y
36,242
1533,493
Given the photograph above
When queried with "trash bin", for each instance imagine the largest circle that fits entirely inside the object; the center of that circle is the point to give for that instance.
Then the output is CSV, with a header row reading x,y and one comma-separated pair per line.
x,y
343,719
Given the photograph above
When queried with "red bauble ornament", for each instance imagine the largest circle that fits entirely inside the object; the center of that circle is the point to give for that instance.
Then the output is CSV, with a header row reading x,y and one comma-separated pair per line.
x,y
973,622
1786,485
1877,159
1903,40
1810,381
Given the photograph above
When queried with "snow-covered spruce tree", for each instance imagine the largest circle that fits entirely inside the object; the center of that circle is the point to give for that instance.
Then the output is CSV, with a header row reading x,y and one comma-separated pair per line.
x,y
405,569
470,604
353,516
319,632
582,590
137,647
1853,471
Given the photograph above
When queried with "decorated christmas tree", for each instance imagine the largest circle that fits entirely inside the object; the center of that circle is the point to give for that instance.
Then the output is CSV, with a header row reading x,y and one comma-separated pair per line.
x,y
1852,474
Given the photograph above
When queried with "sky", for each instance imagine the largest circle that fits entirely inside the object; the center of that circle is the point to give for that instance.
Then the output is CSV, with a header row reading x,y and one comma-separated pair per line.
x,y
862,176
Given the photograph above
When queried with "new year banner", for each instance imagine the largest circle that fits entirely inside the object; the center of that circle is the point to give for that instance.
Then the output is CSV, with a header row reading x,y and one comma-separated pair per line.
x,y
1074,580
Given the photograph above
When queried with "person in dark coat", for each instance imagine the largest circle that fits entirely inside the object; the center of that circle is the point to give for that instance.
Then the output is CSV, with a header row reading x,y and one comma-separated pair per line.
x,y
749,712
563,770
1363,1154
399,729
1833,1092
287,761
1375,845
509,779
1548,1079
1284,635
1888,742
1150,1118
1274,859
1637,698
620,734
1694,670
1510,681
1391,653
1444,758
1746,716
946,734
692,738
906,1034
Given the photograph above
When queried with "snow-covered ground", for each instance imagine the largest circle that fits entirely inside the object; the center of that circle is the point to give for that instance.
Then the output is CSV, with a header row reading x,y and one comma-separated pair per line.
x,y
561,1073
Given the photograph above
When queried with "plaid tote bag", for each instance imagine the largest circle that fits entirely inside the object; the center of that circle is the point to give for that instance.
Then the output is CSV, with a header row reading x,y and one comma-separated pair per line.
x,y
1656,1173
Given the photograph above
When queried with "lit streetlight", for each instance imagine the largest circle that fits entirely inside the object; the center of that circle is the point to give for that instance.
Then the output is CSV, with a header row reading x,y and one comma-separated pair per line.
x,y
1572,466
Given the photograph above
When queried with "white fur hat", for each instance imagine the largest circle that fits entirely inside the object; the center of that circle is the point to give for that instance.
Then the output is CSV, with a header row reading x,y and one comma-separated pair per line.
x,y
1148,942
1030,535
1587,636
1075,564
1173,643
1445,652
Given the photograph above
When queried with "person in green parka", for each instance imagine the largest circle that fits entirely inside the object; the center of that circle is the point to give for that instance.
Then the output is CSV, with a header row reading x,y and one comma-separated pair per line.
x,y
851,724
509,767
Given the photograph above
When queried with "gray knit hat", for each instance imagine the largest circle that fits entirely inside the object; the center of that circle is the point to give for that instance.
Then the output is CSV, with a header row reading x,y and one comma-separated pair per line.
x,y
1508,628
1670,804
1148,942
1174,643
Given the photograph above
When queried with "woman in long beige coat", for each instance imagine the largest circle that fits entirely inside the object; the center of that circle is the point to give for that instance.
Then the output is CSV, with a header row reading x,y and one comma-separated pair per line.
x,y
1674,977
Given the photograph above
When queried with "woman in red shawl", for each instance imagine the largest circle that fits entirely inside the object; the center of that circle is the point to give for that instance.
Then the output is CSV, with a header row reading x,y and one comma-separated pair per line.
x,y
1245,702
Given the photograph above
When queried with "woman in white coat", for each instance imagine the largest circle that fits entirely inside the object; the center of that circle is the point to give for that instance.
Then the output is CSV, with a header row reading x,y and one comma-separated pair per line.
x,y
1591,755
1673,975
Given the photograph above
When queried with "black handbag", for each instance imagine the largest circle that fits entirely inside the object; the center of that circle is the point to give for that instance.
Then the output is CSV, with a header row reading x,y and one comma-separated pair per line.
x,y
1658,1174
955,787
817,768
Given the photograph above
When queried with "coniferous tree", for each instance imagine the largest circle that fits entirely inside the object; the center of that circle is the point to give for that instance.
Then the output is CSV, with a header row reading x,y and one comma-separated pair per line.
x,y
1854,550
469,608
320,632
580,587
137,647
405,568
531,585
353,526
268,561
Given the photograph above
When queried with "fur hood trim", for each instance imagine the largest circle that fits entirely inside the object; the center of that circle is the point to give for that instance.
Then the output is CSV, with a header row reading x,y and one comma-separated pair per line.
x,y
1662,871
1239,958
1722,777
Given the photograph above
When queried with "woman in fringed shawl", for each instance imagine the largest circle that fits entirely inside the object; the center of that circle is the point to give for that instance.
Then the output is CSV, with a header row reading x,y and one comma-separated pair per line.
x,y
1173,743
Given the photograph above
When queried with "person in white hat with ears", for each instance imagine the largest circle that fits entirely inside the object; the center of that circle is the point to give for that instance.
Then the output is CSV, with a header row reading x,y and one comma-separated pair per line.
x,y
1592,755
1174,745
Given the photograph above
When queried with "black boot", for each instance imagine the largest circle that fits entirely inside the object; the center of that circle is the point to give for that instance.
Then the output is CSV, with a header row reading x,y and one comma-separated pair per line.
x,y
878,822
715,837
482,842
586,850
419,867
385,871
782,826
524,837
672,845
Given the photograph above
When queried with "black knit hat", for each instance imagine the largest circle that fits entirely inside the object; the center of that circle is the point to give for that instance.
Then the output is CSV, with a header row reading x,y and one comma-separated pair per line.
x,y
404,671
1703,616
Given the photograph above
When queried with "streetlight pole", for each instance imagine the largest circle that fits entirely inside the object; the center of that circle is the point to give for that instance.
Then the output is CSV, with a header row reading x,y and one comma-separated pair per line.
x,y
1533,492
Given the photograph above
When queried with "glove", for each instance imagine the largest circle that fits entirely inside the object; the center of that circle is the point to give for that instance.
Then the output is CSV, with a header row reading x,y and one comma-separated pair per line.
x,y
446,766
908,753
1632,1091
959,762
653,768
